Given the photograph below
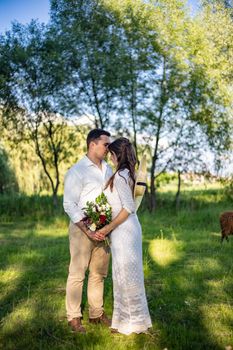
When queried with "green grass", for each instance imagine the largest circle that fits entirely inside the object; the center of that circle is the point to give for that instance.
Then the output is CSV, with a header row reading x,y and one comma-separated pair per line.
x,y
188,278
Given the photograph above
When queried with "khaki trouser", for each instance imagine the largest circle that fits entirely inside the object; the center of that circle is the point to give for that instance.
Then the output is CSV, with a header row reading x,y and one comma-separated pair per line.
x,y
85,253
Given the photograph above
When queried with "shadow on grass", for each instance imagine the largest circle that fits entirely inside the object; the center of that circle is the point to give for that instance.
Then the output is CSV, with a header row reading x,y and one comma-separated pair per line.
x,y
32,299
180,291
35,269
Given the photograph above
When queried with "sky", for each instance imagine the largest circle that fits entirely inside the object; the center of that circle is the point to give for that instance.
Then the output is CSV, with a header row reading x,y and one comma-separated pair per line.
x,y
22,11
192,3
25,10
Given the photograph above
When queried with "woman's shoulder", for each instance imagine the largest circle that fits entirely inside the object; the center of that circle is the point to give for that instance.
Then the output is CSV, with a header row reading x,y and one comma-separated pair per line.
x,y
123,179
122,175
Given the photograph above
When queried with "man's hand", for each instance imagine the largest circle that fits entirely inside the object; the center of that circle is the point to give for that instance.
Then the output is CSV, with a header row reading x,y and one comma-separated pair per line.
x,y
85,230
92,235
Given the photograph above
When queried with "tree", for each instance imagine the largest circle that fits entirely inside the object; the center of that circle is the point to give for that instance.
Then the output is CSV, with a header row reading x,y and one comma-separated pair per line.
x,y
138,57
90,39
180,81
225,3
32,94
8,182
148,62
189,154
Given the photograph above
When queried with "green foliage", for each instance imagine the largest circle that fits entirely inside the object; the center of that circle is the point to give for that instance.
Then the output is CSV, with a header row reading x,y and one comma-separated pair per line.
x,y
27,207
225,3
27,167
33,90
228,188
164,179
98,213
90,39
212,31
8,182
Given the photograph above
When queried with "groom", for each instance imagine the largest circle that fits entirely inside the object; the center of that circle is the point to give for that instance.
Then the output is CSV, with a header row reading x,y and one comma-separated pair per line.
x,y
84,181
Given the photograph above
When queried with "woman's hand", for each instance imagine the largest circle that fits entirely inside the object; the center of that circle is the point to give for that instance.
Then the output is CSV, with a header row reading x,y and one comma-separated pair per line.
x,y
100,234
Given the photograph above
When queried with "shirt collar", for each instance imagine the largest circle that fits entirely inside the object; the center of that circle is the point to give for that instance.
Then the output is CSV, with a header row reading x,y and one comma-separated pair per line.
x,y
88,162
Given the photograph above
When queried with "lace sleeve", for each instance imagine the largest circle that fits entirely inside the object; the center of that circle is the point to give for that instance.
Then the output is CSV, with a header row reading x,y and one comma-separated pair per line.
x,y
121,183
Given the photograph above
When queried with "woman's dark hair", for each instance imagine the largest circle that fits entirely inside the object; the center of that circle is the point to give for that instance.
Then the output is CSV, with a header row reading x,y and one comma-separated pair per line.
x,y
126,159
94,135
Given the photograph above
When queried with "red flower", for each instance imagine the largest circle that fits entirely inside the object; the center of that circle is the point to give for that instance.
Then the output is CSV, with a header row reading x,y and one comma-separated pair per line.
x,y
102,219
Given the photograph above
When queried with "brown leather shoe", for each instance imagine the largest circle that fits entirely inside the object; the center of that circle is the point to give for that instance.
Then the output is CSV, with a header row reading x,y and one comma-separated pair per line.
x,y
103,319
76,325
114,331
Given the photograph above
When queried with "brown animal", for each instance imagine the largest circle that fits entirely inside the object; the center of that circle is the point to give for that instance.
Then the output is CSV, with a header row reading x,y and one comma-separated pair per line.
x,y
226,223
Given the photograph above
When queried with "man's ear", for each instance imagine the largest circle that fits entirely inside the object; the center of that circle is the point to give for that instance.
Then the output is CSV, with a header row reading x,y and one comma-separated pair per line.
x,y
91,144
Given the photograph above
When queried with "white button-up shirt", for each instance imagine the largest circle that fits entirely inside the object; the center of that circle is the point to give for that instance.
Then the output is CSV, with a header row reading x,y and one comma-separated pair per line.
x,y
84,181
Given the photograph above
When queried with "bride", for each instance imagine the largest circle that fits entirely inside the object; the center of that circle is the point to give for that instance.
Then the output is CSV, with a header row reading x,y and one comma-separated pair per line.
x,y
130,312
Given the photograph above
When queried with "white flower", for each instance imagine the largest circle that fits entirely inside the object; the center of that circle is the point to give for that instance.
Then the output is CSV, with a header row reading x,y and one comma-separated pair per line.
x,y
93,227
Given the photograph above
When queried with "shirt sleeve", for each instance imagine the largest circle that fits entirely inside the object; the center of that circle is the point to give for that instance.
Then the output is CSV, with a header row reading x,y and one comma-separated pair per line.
x,y
125,192
72,190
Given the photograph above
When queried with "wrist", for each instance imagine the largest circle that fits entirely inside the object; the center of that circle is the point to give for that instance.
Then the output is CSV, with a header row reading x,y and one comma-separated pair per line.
x,y
110,227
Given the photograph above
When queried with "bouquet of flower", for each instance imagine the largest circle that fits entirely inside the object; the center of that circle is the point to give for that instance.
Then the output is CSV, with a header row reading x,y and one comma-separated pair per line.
x,y
98,213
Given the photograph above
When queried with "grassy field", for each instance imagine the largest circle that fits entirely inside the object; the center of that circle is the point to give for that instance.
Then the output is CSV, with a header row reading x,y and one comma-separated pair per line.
x,y
188,278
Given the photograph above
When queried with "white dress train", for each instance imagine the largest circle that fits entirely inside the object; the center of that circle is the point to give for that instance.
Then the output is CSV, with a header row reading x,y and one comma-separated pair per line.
x,y
130,312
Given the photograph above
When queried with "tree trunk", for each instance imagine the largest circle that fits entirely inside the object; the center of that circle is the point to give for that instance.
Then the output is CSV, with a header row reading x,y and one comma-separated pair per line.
x,y
159,127
177,198
43,162
152,206
133,106
55,200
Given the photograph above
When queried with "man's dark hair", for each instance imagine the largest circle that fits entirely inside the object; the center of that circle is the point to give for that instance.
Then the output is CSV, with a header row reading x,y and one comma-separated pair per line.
x,y
94,135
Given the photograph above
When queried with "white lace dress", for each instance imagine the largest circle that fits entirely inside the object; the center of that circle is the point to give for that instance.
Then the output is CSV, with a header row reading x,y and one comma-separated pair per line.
x,y
130,312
